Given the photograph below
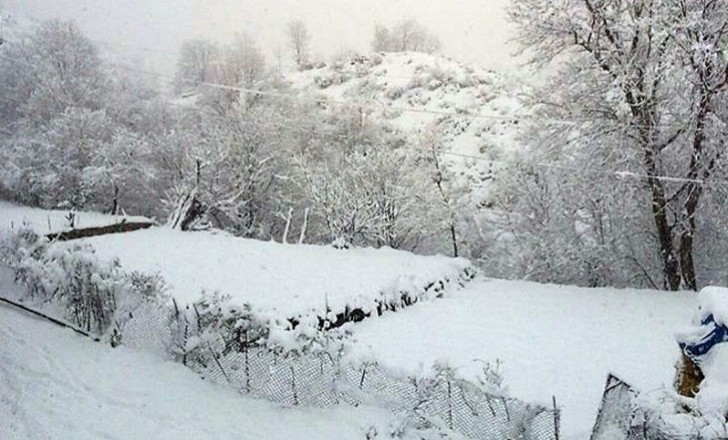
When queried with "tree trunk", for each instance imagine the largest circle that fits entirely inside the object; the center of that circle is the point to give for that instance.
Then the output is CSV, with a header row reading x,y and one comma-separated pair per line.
x,y
670,264
115,201
694,192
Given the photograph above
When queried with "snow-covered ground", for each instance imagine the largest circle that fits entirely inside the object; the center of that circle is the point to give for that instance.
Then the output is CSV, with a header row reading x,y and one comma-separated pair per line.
x,y
45,221
284,280
55,384
551,340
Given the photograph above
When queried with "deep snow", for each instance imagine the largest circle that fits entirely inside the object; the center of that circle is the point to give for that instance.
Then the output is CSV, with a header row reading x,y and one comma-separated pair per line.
x,y
551,340
55,384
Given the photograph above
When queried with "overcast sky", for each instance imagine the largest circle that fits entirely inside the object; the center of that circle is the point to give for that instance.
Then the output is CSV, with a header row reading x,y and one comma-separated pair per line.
x,y
471,30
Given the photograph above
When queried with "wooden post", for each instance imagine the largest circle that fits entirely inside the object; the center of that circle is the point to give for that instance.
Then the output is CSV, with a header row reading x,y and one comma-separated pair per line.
x,y
557,418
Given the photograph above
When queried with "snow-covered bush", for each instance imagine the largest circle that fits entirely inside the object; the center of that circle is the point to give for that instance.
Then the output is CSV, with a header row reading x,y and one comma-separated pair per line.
x,y
212,327
96,295
309,336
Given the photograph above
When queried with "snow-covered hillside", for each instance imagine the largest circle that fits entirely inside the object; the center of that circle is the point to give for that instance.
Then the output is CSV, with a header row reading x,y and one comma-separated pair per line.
x,y
282,280
476,110
552,340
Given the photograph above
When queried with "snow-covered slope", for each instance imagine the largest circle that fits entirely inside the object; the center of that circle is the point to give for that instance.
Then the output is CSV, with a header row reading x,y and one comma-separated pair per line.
x,y
282,280
476,110
55,384
46,221
551,340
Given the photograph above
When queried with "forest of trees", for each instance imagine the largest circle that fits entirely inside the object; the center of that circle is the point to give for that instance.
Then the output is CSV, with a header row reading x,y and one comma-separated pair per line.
x,y
621,179
406,35
632,125
82,134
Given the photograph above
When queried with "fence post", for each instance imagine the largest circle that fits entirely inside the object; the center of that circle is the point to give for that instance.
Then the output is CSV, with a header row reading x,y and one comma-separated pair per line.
x,y
556,418
246,351
363,375
293,385
449,402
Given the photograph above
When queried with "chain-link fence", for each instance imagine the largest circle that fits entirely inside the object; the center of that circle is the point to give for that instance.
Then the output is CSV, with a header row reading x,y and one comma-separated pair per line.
x,y
296,363
440,399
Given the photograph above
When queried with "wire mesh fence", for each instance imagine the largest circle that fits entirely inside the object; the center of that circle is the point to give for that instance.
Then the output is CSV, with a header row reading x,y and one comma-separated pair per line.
x,y
440,399
294,363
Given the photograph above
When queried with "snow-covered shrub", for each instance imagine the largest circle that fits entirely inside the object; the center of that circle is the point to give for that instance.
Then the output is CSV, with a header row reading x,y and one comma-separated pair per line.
x,y
396,92
212,327
308,337
96,295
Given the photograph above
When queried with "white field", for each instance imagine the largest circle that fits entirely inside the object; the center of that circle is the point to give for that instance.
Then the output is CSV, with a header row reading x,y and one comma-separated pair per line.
x,y
551,340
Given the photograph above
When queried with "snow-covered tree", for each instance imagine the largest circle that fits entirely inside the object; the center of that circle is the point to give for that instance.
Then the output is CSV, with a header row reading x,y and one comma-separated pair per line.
x,y
365,186
66,71
641,85
76,133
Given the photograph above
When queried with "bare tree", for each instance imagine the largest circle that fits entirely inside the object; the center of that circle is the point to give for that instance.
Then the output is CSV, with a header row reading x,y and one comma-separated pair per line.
x,y
299,41
196,63
407,35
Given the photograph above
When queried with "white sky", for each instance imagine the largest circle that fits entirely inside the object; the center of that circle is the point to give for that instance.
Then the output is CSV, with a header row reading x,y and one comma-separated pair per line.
x,y
471,30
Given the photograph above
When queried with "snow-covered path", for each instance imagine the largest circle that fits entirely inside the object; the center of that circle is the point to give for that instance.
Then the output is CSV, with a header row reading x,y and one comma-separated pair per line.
x,y
55,384
552,340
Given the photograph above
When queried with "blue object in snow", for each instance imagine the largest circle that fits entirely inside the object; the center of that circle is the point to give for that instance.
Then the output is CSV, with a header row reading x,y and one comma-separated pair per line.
x,y
714,334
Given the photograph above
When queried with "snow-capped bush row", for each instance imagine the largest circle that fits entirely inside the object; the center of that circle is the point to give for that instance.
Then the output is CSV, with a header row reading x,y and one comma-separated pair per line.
x,y
94,295
278,285
285,281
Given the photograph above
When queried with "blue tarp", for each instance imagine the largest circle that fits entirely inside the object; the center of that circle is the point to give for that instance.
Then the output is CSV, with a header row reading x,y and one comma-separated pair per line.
x,y
714,334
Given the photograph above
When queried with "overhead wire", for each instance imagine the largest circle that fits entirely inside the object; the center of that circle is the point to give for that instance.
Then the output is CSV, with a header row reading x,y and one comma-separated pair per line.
x,y
622,175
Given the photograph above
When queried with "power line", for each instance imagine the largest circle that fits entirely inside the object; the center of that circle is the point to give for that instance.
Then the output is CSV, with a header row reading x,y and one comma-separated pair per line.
x,y
617,174
513,119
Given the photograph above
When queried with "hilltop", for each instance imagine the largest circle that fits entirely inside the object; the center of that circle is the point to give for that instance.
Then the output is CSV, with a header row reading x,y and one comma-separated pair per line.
x,y
475,111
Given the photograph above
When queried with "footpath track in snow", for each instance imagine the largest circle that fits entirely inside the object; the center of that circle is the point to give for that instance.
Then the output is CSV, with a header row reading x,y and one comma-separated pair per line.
x,y
57,384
